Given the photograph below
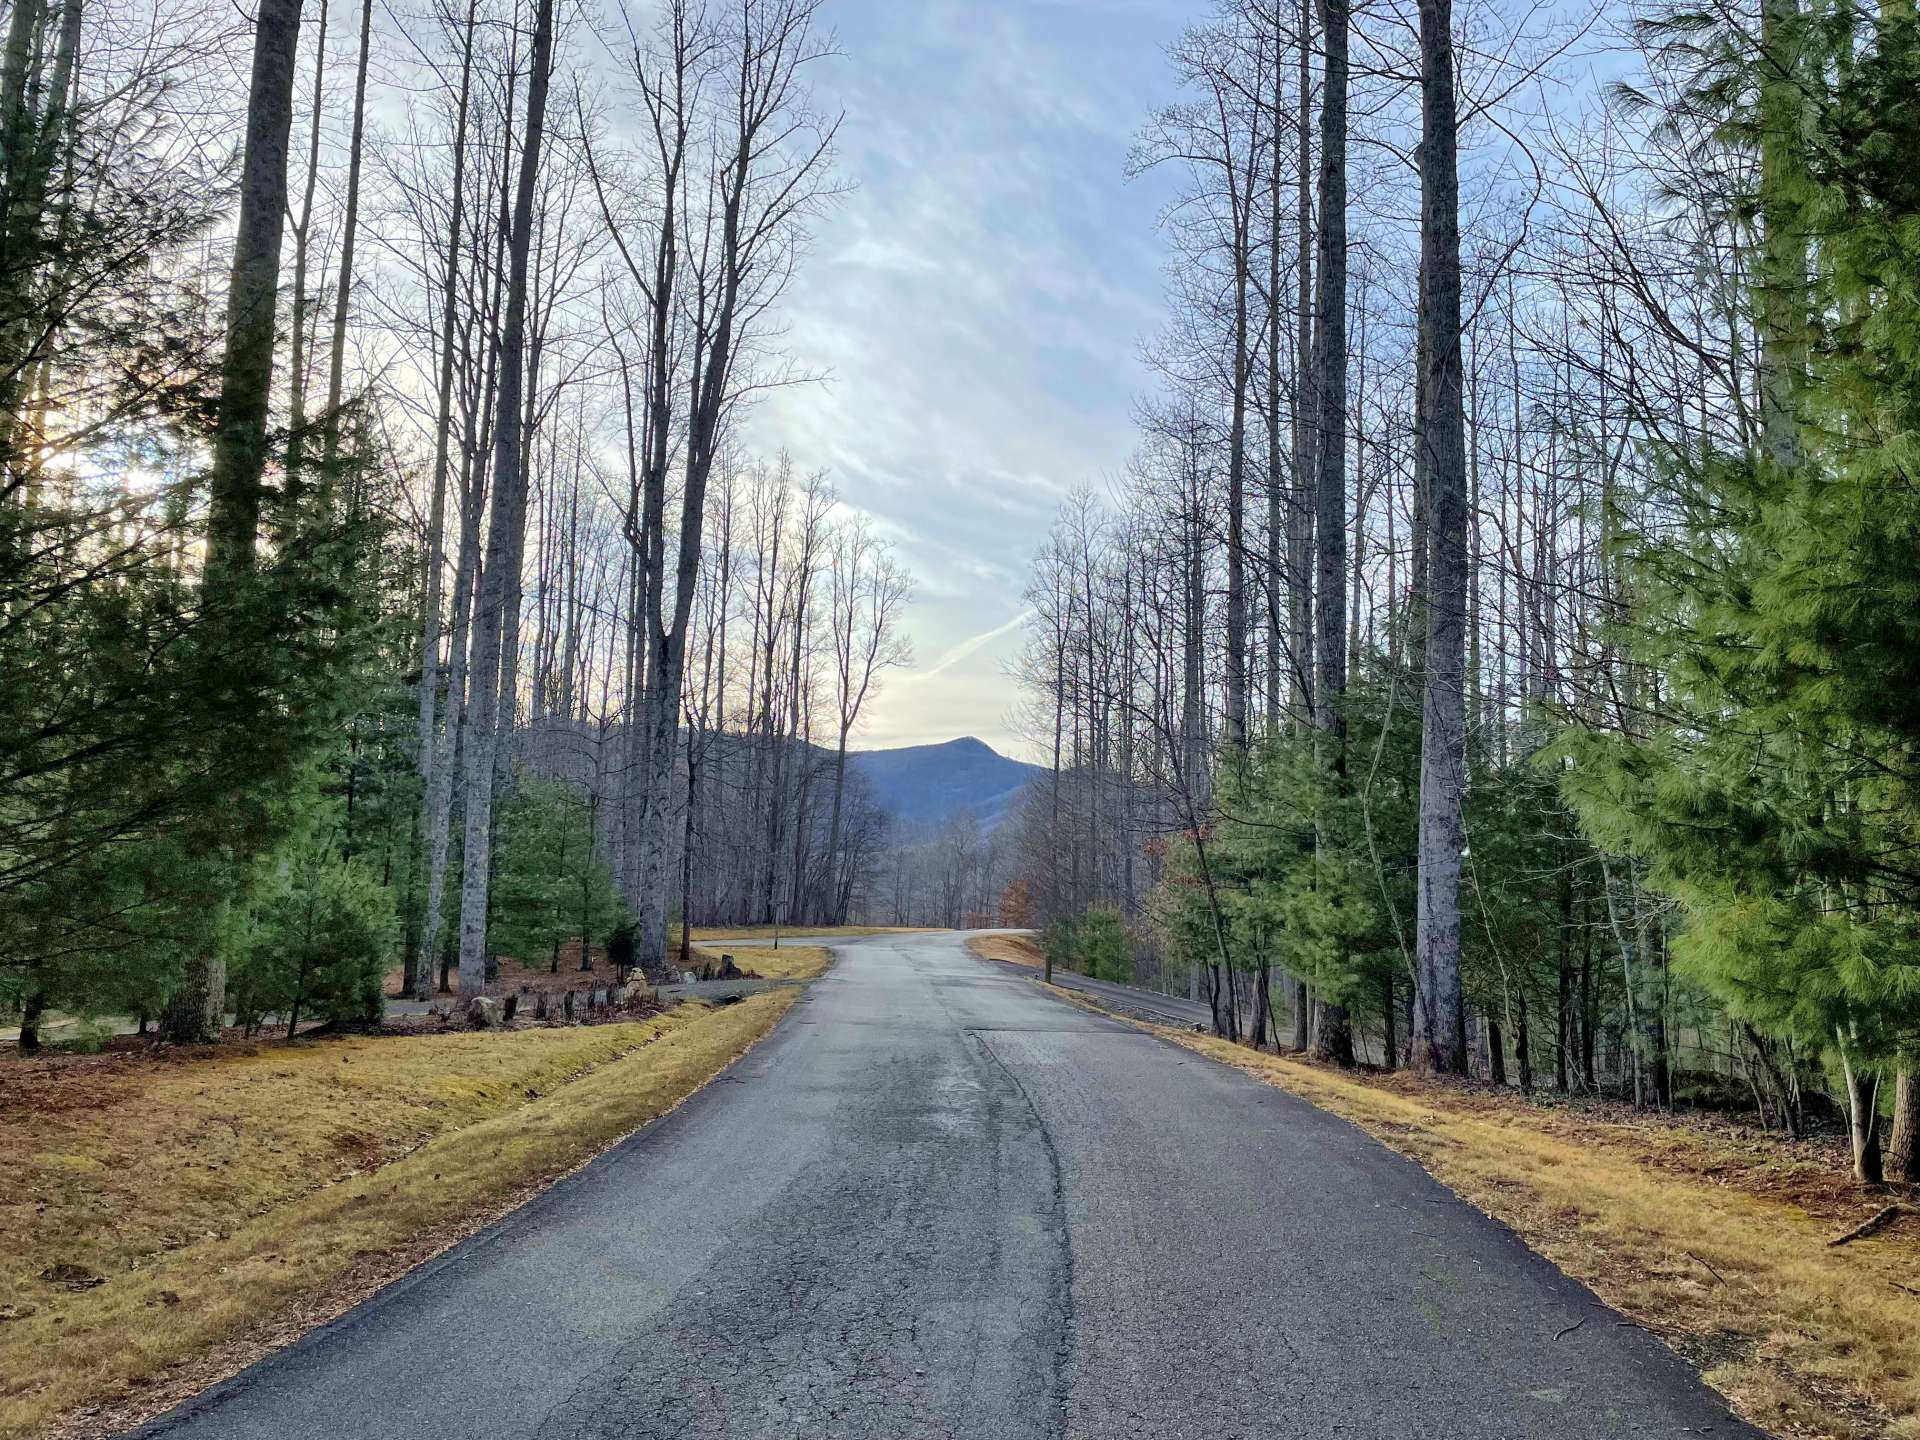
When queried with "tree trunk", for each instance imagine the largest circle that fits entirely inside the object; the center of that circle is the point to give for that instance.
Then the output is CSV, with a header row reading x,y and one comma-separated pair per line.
x,y
1236,637
1300,504
1439,1038
198,1005
1902,1162
836,916
32,1007
1783,248
1523,1044
343,292
1333,1032
23,183
1863,1122
1262,1003
246,369
1564,1027
485,705
434,765
1390,1039
302,250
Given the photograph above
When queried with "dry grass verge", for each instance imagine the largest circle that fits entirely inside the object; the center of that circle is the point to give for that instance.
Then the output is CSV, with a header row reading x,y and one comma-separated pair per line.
x,y
766,932
248,1194
1708,1234
1019,949
788,962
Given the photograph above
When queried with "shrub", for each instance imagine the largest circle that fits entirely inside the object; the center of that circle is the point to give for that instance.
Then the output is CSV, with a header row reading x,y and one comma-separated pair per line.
x,y
1106,950
1061,942
321,937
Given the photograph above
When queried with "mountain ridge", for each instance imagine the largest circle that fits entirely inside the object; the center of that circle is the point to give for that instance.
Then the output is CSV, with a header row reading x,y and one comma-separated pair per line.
x,y
925,785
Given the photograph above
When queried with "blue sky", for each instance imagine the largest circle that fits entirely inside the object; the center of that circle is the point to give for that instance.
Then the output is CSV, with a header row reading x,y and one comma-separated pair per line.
x,y
978,301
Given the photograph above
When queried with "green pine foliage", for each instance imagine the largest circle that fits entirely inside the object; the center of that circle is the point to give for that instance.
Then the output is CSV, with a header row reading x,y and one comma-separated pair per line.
x,y
1060,941
1105,950
552,883
1775,795
319,936
1313,874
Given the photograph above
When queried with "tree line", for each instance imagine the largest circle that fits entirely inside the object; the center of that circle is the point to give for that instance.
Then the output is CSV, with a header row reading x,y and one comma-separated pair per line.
x,y
386,579
1496,654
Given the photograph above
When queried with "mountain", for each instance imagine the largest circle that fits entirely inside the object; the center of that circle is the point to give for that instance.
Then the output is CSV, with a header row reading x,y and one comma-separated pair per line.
x,y
922,785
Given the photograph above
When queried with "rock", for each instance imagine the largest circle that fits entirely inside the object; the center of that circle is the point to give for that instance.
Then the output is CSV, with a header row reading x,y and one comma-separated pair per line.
x,y
728,970
71,1277
483,1011
510,1009
687,977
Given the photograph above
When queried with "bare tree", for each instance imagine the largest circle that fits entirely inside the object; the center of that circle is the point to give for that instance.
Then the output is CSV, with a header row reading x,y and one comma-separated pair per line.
x,y
1332,1037
869,589
487,701
741,165
1440,1025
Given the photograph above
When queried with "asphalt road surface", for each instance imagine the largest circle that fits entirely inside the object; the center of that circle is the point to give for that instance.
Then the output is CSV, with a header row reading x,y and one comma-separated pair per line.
x,y
939,1202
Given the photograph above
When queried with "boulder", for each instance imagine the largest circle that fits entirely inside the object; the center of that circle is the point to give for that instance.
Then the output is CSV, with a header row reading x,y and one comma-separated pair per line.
x,y
483,1012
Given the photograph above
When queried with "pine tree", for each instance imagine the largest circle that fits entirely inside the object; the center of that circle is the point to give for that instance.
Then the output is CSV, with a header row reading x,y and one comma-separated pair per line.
x,y
1778,799
551,882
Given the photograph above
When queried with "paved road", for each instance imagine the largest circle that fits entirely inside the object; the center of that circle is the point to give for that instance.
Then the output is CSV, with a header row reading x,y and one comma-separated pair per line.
x,y
938,1202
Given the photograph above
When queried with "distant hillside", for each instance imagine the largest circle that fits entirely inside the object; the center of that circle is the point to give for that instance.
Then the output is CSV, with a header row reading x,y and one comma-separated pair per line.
x,y
921,785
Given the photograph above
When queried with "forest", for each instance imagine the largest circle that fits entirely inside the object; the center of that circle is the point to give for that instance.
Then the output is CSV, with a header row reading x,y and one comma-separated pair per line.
x,y
385,583
1495,658
1499,655
1455,828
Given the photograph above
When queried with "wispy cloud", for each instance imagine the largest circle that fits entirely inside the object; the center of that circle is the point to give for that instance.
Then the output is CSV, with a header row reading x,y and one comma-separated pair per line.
x,y
972,645
979,300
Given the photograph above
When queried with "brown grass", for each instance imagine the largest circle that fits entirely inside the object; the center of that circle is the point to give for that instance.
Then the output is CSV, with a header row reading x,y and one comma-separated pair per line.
x,y
788,962
1020,949
757,932
1711,1235
249,1193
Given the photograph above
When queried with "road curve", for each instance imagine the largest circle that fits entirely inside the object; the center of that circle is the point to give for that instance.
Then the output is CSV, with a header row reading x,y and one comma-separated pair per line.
x,y
940,1202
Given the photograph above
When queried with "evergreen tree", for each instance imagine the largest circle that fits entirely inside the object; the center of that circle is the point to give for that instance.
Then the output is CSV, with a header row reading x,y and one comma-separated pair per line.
x,y
1777,797
551,883
1105,948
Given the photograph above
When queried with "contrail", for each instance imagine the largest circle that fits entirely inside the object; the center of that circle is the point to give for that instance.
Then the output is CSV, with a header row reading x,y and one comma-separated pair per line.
x,y
967,647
